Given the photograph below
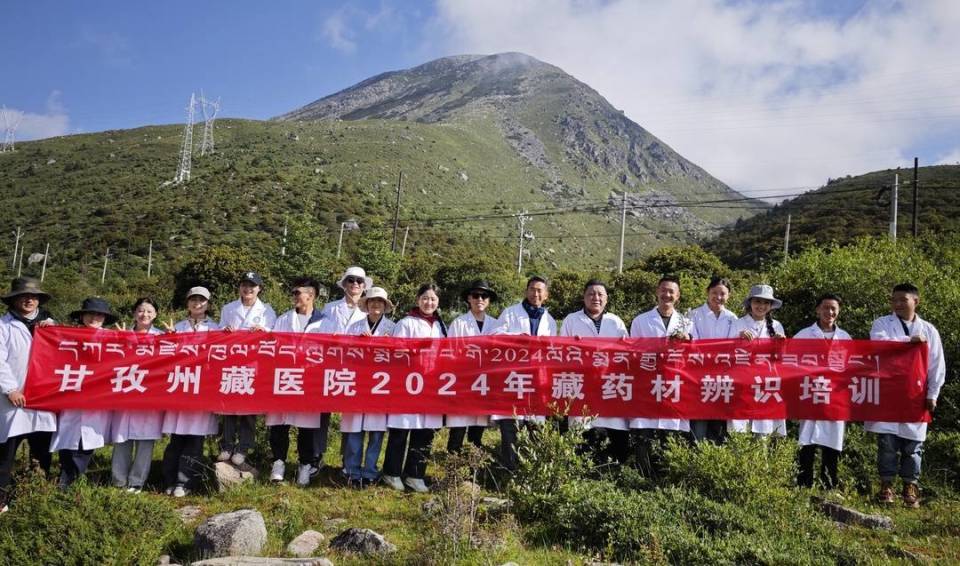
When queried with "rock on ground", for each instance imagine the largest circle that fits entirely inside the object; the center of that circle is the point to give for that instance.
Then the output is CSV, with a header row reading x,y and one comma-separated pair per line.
x,y
262,561
361,541
241,532
188,513
850,516
305,544
228,475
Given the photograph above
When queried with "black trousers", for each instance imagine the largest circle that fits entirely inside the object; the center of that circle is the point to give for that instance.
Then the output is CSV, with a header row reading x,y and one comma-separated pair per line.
x,y
508,442
182,461
650,444
712,431
73,464
306,443
608,444
829,458
473,433
39,443
410,461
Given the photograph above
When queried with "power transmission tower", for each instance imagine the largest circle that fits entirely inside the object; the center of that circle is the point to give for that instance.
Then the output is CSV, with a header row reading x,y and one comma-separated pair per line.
x,y
209,110
10,120
186,149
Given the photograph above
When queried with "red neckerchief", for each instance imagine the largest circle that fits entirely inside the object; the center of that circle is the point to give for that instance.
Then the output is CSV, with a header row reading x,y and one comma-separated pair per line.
x,y
415,312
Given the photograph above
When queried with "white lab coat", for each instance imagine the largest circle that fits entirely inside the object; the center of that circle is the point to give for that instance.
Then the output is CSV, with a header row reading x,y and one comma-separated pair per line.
x,y
707,325
822,433
242,318
650,325
290,322
15,341
889,328
338,316
414,327
514,320
580,324
196,423
757,426
359,422
466,325
137,425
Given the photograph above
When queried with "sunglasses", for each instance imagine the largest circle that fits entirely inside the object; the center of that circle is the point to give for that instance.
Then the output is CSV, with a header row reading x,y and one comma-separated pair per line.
x,y
354,280
479,295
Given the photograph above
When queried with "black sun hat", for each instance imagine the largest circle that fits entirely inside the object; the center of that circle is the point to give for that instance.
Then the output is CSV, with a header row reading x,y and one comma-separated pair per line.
x,y
25,286
479,285
95,305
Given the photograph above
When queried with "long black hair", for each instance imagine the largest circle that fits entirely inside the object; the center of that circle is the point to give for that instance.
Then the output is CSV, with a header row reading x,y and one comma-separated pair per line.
x,y
436,289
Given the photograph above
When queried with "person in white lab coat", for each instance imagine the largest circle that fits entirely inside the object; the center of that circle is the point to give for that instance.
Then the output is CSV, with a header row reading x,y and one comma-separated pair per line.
x,y
900,445
81,431
827,435
181,464
712,320
246,313
340,314
758,322
532,318
359,465
25,311
133,433
607,437
662,321
423,321
476,322
303,318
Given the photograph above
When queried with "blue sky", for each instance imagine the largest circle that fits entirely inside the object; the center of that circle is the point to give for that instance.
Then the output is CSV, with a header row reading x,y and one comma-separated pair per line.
x,y
769,96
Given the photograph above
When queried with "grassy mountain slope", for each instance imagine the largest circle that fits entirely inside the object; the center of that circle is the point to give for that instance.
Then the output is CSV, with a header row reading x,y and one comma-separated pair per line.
x,y
843,210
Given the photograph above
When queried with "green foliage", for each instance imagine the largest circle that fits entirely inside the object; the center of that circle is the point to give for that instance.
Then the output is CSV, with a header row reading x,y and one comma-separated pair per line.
x,y
306,252
373,253
219,269
84,525
686,262
941,459
634,291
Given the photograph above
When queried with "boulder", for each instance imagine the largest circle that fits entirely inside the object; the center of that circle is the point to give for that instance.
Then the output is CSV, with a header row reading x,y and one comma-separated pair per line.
x,y
229,476
188,513
241,532
850,516
361,541
305,544
262,561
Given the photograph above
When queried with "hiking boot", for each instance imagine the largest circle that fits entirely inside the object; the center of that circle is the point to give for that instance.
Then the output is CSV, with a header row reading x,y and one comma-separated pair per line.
x,y
886,495
277,471
911,495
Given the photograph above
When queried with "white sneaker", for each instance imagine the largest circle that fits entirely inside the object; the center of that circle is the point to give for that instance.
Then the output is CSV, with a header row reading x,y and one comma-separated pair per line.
x,y
168,491
277,471
304,474
223,456
4,509
417,485
238,458
180,491
134,489
393,481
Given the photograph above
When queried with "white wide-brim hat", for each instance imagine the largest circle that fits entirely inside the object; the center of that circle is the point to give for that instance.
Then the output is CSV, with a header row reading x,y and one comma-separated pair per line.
x,y
762,292
375,293
355,272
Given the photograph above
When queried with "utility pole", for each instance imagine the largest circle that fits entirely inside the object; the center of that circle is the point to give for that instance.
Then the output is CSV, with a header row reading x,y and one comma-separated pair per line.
x,y
150,259
283,246
916,196
43,269
103,276
623,230
894,196
20,262
403,248
186,148
396,214
16,248
522,222
786,239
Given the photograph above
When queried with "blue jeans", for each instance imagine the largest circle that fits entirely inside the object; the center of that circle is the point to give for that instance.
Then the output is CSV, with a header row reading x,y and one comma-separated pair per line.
x,y
357,463
898,454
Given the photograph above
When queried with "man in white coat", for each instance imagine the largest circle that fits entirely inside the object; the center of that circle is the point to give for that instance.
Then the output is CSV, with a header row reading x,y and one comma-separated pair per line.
x,y
17,423
528,317
246,313
662,321
900,445
608,437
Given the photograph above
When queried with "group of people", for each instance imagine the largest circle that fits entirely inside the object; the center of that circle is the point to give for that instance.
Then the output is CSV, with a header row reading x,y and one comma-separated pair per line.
x,y
366,310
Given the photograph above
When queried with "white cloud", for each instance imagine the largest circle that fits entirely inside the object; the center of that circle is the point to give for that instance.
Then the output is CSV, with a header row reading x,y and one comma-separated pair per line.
x,y
340,28
763,95
336,30
54,122
112,47
950,158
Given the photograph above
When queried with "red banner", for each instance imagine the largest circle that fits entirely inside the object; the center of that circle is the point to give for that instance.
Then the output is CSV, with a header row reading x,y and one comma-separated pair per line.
x,y
261,372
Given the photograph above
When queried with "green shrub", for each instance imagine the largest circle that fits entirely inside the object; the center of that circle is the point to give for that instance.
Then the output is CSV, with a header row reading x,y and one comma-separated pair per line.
x,y
941,459
84,525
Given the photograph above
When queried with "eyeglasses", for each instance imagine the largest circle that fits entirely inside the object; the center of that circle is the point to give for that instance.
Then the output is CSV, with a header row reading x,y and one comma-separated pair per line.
x,y
354,280
479,295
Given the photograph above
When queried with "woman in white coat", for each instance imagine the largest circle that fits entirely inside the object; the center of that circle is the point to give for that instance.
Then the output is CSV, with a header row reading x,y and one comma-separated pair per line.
x,y
81,431
827,435
476,322
423,321
303,318
359,465
136,431
712,320
758,323
607,437
182,469
17,423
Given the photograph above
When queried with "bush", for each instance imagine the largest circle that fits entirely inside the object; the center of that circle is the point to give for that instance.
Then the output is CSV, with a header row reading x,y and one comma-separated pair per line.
x,y
84,525
941,459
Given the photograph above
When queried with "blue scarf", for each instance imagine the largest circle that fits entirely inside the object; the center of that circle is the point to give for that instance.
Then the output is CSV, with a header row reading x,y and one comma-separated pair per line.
x,y
535,314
